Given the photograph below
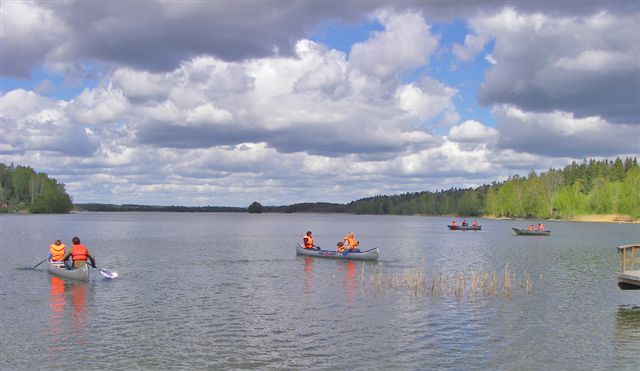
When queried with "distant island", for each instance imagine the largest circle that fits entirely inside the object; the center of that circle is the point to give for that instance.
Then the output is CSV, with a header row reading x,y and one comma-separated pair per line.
x,y
596,190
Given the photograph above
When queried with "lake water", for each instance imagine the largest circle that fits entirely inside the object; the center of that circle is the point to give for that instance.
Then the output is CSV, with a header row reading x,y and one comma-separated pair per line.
x,y
226,291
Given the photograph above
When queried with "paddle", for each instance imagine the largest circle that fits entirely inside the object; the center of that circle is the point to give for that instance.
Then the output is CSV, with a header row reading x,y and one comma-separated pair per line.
x,y
34,267
105,272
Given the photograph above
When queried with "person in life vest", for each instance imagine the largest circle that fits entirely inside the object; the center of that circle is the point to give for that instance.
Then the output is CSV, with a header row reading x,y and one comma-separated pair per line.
x,y
308,242
475,223
56,252
464,223
340,247
453,223
531,228
540,227
80,253
351,242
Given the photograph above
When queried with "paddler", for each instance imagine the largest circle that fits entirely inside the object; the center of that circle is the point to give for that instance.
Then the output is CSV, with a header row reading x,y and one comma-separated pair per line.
x,y
80,253
56,253
308,243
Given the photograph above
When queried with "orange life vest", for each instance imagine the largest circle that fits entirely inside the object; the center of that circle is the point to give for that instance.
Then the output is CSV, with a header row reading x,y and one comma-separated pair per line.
x,y
308,242
79,252
352,242
341,248
57,251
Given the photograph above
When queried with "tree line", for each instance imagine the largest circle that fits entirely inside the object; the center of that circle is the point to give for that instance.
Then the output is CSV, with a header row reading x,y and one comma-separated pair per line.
x,y
590,187
22,189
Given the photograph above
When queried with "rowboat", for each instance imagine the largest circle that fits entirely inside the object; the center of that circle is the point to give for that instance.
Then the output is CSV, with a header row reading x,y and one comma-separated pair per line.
x,y
526,232
464,227
371,254
80,274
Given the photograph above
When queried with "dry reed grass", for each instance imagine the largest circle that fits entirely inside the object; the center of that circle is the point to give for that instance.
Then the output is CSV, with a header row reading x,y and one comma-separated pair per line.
x,y
417,283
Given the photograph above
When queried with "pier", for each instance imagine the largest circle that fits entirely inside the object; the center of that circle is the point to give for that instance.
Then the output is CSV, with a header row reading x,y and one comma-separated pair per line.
x,y
629,275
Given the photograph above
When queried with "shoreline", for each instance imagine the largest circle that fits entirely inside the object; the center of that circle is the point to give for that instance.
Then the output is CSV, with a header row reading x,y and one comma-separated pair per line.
x,y
591,218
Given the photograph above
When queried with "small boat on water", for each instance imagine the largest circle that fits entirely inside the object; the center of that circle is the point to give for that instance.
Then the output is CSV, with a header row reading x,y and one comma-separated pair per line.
x,y
80,274
371,254
527,232
464,227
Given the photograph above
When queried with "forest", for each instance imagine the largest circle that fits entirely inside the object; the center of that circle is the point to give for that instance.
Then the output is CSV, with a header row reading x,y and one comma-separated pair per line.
x,y
599,187
590,187
22,189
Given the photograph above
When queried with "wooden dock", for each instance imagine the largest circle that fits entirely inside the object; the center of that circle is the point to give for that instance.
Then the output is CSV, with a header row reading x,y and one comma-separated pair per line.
x,y
629,275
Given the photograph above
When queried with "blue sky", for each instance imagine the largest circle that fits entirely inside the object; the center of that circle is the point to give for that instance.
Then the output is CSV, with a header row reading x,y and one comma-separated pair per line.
x,y
226,103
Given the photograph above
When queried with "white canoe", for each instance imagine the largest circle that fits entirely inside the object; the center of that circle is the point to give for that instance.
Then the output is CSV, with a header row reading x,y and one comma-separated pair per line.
x,y
80,274
371,254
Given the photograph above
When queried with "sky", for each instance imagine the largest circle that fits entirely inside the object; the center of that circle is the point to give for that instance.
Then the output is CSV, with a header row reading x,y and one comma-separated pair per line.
x,y
229,102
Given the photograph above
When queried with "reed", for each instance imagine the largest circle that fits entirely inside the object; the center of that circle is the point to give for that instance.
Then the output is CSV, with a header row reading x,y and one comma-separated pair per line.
x,y
417,282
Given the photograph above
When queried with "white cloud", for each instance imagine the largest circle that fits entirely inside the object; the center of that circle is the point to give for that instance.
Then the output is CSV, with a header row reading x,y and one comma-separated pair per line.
x,y
175,122
207,113
588,66
98,105
473,44
426,98
561,134
405,44
472,131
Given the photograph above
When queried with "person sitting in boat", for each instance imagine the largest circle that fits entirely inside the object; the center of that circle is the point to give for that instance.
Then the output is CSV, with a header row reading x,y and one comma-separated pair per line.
x,y
464,223
531,228
454,224
351,242
308,243
340,247
56,253
475,223
80,253
540,227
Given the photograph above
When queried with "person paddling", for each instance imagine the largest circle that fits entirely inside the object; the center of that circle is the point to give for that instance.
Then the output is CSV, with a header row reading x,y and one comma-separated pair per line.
x,y
80,253
56,253
308,242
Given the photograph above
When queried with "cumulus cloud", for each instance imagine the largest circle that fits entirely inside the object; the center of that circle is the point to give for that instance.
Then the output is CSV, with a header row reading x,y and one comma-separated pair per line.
x,y
196,106
426,98
405,44
588,66
561,134
34,123
100,105
473,44
473,132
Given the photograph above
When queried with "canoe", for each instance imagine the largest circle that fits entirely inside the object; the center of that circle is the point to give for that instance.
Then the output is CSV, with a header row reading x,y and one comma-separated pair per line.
x,y
464,227
526,232
371,254
80,274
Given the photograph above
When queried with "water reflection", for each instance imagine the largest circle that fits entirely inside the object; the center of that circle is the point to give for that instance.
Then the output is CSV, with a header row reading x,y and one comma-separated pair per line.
x,y
65,296
628,337
78,294
57,301
347,276
308,274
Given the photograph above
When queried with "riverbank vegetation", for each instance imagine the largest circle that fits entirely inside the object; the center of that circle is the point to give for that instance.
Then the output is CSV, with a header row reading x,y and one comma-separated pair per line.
x,y
22,189
592,189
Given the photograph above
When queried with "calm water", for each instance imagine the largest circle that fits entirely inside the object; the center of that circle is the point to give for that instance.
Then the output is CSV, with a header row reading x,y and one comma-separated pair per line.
x,y
226,291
